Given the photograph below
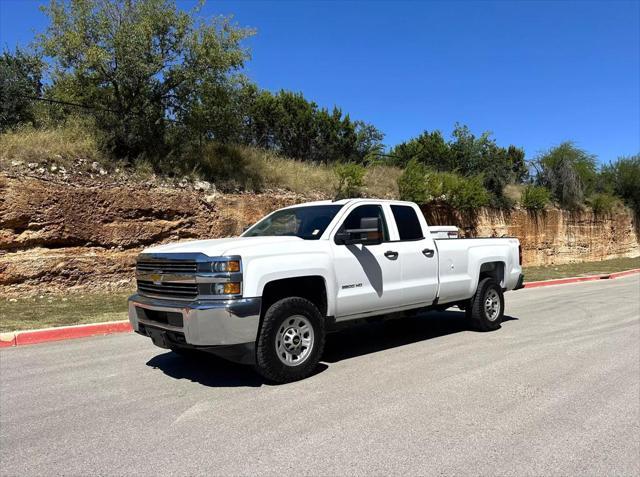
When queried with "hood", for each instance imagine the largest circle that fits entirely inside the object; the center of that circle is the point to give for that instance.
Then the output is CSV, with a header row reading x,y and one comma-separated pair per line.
x,y
218,247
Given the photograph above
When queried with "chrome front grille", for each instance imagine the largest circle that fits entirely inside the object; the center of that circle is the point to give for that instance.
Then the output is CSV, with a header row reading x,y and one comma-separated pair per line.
x,y
167,266
183,276
170,289
167,278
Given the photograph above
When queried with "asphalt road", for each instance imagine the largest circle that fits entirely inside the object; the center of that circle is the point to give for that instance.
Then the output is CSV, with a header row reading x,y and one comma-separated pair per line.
x,y
556,391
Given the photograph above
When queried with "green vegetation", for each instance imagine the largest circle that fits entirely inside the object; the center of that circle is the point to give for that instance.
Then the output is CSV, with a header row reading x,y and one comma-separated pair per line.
x,y
20,77
61,310
568,172
419,184
149,88
467,156
350,180
532,274
535,197
603,203
622,178
412,184
159,82
463,193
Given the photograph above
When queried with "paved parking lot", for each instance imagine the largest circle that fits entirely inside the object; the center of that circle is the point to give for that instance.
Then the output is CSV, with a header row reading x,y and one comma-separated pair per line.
x,y
556,391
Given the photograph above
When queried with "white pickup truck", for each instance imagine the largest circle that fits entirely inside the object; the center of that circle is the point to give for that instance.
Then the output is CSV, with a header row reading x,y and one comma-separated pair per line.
x,y
270,296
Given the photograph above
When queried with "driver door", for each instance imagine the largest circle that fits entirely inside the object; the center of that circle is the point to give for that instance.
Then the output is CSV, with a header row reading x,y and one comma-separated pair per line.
x,y
368,277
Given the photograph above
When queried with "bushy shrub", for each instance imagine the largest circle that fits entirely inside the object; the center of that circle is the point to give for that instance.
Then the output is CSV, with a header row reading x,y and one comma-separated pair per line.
x,y
603,203
463,193
350,180
229,167
622,177
535,197
412,184
419,185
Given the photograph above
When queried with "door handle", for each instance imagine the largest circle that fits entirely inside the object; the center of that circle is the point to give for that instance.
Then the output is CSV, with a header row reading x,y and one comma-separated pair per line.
x,y
391,255
428,252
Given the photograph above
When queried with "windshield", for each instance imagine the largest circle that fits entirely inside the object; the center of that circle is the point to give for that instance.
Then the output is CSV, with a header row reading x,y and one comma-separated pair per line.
x,y
308,222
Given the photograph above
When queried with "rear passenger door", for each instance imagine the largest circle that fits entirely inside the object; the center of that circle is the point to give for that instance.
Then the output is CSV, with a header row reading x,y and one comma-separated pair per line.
x,y
417,254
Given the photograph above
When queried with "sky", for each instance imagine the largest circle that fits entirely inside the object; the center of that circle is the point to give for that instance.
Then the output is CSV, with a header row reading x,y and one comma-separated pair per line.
x,y
533,73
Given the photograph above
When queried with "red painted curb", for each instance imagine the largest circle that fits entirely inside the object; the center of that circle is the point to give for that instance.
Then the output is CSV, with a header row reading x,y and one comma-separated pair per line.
x,y
562,281
68,332
625,273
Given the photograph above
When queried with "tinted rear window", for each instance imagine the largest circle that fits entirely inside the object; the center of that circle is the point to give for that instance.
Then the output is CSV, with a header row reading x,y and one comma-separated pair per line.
x,y
407,221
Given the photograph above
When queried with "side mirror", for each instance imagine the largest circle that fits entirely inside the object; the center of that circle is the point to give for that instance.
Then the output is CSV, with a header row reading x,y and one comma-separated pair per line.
x,y
369,233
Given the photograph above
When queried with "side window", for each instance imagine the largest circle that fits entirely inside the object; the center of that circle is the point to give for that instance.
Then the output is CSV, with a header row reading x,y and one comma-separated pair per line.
x,y
353,219
407,222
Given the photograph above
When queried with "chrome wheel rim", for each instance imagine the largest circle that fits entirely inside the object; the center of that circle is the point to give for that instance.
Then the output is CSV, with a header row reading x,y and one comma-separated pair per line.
x,y
492,305
294,340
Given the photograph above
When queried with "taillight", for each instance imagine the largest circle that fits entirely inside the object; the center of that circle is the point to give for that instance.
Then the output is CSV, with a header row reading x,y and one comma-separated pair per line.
x,y
520,254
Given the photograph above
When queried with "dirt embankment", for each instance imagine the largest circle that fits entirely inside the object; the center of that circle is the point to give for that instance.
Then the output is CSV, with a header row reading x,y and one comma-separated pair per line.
x,y
55,235
59,235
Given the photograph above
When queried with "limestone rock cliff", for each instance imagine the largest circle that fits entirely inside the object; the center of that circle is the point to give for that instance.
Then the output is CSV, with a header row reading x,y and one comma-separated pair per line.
x,y
55,235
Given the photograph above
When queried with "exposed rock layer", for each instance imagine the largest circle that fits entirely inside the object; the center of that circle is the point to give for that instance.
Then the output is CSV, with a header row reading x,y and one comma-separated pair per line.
x,y
56,235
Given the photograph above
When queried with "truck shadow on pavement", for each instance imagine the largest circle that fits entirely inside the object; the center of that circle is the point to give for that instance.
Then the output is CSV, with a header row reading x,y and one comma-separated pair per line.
x,y
351,342
374,337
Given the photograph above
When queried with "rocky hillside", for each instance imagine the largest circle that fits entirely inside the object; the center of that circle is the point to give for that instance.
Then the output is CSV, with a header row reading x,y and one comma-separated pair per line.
x,y
56,234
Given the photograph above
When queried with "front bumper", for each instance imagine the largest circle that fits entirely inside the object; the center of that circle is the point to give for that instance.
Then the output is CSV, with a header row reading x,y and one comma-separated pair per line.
x,y
203,323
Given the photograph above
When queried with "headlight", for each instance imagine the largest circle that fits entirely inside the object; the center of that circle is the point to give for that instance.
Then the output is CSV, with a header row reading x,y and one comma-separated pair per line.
x,y
229,288
226,266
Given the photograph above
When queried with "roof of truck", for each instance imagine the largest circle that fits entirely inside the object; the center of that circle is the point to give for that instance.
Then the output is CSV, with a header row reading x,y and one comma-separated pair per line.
x,y
347,201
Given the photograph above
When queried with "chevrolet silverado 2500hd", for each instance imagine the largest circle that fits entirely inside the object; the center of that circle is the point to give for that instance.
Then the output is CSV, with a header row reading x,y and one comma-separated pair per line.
x,y
269,296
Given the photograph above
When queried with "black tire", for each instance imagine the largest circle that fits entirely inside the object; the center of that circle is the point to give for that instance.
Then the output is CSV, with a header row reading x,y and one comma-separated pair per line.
x,y
278,317
478,315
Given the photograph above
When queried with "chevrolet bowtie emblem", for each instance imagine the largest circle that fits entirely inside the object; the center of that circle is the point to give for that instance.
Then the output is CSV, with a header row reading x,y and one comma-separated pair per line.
x,y
156,278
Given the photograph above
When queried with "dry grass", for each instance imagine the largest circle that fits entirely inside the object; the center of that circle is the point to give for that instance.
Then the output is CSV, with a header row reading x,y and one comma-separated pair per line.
x,y
296,176
382,182
61,145
73,146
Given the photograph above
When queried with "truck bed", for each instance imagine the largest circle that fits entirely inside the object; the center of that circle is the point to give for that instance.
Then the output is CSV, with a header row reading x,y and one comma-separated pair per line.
x,y
458,256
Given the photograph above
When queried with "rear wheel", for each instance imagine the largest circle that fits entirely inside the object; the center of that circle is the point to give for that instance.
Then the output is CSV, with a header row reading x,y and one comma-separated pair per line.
x,y
291,340
485,309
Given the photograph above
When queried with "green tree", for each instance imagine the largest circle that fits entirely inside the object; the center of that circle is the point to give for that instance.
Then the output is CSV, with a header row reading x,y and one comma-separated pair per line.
x,y
429,148
20,79
568,172
298,128
140,64
622,178
469,156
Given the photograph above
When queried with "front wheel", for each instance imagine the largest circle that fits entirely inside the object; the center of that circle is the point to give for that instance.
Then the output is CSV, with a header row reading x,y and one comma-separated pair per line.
x,y
291,340
485,309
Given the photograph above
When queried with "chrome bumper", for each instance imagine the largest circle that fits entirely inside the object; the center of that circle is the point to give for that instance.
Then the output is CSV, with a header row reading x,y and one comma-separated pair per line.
x,y
204,322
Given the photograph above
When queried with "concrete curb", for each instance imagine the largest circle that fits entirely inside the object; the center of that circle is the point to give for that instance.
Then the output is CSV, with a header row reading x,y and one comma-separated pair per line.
x,y
19,338
27,337
562,281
